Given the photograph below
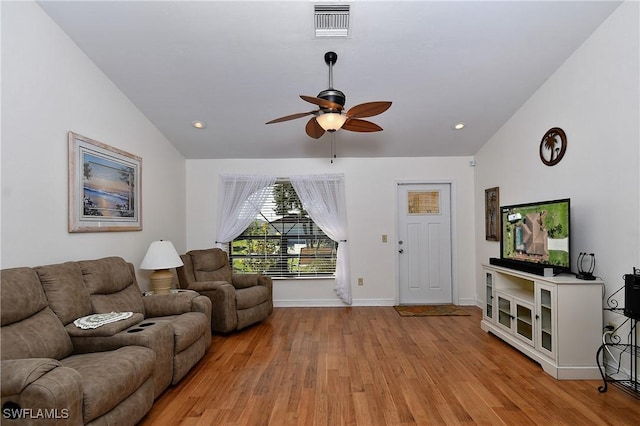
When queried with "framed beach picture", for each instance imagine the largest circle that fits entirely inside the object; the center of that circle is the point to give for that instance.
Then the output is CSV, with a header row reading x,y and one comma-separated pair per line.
x,y
104,187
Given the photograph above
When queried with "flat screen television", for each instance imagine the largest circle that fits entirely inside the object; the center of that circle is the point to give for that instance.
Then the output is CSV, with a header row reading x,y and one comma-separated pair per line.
x,y
536,236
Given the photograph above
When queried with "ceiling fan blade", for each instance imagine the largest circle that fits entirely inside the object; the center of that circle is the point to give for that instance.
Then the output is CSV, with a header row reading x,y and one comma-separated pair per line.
x,y
322,102
357,125
313,129
290,117
368,109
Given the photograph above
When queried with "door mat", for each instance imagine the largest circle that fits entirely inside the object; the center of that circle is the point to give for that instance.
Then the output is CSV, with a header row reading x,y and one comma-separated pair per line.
x,y
430,310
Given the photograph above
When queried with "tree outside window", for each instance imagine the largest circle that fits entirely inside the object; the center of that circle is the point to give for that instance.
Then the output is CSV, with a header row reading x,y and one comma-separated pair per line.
x,y
283,241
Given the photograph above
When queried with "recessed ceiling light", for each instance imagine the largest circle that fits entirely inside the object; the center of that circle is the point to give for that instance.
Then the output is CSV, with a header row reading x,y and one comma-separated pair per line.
x,y
458,126
199,124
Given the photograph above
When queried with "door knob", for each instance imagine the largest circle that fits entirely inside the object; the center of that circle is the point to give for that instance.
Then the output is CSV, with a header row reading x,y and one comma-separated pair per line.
x,y
401,251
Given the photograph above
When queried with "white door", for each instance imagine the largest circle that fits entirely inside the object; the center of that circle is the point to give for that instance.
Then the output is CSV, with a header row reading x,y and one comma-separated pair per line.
x,y
424,246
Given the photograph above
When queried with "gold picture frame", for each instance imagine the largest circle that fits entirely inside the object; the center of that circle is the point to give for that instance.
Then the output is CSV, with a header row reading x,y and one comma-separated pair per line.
x,y
491,214
104,187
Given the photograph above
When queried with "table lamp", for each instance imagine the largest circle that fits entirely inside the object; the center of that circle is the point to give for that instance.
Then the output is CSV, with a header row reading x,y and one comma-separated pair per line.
x,y
161,256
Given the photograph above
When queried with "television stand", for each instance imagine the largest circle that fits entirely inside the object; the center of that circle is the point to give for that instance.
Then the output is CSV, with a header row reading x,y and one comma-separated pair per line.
x,y
556,321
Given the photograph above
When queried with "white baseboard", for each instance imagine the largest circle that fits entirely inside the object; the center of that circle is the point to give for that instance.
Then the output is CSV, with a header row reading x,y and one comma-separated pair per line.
x,y
469,302
304,303
374,302
332,303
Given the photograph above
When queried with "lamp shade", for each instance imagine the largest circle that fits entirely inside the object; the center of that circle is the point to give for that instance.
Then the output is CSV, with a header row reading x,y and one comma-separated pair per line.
x,y
331,121
161,255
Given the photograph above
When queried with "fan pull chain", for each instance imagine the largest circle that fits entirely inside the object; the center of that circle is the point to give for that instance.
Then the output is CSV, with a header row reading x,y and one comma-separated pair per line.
x,y
333,146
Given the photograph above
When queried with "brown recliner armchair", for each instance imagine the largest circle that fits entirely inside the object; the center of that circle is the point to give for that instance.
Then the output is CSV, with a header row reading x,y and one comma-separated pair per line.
x,y
239,300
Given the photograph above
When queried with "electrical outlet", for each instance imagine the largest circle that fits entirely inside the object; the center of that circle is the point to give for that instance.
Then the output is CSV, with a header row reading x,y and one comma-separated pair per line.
x,y
360,281
384,238
612,326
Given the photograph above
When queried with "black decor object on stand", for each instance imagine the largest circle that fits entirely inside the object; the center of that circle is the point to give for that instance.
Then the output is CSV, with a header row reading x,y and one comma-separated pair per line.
x,y
632,294
627,381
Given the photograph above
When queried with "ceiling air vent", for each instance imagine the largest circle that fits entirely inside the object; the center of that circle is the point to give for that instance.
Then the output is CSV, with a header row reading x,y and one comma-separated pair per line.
x,y
331,20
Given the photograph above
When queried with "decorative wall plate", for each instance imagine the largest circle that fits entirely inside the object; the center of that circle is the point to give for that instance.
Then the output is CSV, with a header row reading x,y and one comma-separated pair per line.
x,y
553,146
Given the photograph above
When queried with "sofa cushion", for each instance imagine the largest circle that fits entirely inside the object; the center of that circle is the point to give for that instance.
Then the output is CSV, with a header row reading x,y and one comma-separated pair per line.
x,y
30,329
112,285
252,296
127,300
68,297
21,295
210,265
108,378
41,335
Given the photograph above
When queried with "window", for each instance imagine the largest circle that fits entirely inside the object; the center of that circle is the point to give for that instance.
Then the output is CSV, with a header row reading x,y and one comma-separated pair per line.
x,y
283,241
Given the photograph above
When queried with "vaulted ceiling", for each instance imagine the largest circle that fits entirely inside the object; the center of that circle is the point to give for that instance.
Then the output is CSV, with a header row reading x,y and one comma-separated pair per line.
x,y
236,65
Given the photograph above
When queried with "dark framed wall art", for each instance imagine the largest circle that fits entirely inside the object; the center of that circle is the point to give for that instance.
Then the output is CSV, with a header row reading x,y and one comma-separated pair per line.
x,y
491,210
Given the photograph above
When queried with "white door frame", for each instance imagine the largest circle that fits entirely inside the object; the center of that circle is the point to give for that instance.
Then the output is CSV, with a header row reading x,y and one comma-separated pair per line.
x,y
454,238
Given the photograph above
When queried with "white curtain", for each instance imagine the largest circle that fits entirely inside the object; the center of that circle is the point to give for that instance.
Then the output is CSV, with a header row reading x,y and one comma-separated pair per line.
x,y
241,199
323,197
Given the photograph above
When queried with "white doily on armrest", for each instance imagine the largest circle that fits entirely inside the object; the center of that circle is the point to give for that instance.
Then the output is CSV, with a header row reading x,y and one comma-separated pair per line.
x,y
98,320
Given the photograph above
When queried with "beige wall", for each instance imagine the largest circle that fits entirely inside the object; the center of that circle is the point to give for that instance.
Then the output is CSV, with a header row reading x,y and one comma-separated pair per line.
x,y
49,87
371,206
595,98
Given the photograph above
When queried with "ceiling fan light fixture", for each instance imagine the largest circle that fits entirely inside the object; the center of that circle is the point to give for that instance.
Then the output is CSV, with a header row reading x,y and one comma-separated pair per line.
x,y
331,121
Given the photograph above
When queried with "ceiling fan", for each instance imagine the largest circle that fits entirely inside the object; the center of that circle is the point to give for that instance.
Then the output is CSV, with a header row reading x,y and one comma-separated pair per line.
x,y
331,116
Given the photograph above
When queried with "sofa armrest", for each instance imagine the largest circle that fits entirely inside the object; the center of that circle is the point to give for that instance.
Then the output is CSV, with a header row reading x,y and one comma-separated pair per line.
x,y
202,304
250,280
33,384
202,286
106,330
17,374
175,303
265,281
157,336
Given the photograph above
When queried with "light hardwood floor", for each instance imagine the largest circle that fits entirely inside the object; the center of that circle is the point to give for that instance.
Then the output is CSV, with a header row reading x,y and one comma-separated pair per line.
x,y
369,366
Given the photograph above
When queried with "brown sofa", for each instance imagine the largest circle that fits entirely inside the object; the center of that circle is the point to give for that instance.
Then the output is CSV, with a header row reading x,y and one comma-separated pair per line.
x,y
239,300
56,373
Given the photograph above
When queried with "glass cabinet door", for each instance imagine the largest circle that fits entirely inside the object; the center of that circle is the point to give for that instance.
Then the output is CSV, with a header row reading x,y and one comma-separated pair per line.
x,y
545,309
524,322
488,313
504,312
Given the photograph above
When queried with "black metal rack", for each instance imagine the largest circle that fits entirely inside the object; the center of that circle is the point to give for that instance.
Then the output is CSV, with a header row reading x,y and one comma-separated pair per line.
x,y
629,382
